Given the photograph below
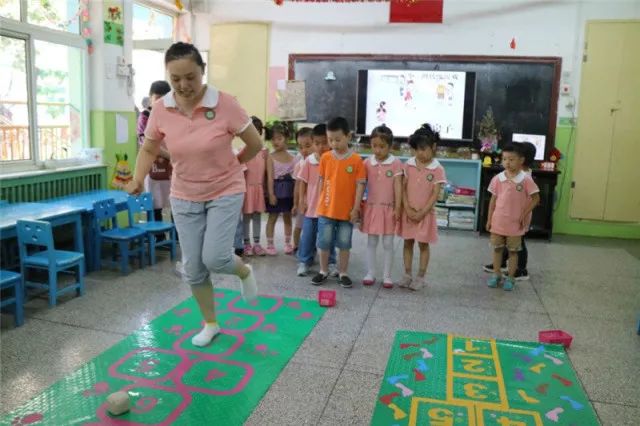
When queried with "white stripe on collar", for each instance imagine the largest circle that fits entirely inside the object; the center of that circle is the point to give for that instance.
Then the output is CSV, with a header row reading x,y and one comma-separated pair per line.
x,y
502,176
209,100
313,160
432,166
374,162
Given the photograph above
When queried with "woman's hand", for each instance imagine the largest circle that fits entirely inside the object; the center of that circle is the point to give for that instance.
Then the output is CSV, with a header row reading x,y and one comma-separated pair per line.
x,y
134,187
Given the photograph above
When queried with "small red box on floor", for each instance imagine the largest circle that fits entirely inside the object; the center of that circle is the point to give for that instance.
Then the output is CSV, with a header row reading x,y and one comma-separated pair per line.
x,y
555,336
327,298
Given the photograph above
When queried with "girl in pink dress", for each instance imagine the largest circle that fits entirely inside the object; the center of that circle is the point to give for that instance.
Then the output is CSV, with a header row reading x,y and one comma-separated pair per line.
x,y
305,148
280,186
254,204
382,209
423,178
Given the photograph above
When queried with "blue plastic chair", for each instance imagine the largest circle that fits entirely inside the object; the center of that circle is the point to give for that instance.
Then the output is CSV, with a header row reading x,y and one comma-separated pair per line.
x,y
129,241
12,280
142,204
36,233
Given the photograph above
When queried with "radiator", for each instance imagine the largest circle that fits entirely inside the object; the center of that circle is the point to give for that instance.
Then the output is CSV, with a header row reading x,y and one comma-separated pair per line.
x,y
52,185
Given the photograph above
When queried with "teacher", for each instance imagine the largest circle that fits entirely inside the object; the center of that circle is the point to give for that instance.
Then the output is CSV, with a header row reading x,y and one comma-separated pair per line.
x,y
197,124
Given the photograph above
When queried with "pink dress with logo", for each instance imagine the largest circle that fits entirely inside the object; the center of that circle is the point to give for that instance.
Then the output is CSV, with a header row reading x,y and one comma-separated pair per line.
x,y
255,177
420,186
378,209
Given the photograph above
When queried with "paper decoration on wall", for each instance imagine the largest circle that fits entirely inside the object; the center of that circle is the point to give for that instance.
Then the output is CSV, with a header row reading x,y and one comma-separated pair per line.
x,y
276,74
113,23
122,128
291,101
122,173
513,43
416,11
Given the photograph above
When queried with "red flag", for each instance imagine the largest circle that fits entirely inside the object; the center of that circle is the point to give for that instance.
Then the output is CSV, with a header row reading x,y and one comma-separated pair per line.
x,y
416,11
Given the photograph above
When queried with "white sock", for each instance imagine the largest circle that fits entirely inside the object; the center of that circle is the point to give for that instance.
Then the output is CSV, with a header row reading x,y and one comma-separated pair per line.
x,y
206,335
249,287
387,244
372,245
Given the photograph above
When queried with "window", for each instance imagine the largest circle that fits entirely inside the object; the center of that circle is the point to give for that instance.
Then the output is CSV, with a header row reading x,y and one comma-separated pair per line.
x,y
153,33
43,92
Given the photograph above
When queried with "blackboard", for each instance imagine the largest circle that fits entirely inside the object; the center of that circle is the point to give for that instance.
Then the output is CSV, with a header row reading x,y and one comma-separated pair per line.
x,y
522,91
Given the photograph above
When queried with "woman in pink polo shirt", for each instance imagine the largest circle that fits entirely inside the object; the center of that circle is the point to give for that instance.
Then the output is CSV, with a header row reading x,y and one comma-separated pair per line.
x,y
197,124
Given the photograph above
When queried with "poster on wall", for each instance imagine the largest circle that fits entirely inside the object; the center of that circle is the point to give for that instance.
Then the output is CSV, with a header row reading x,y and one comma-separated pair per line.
x,y
113,22
290,98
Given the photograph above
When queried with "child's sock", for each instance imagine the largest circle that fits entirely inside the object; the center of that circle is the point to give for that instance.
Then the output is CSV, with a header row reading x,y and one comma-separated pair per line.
x,y
372,245
387,244
269,242
206,335
287,239
256,220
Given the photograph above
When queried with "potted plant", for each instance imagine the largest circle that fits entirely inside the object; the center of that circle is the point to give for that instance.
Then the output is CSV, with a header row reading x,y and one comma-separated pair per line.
x,y
488,132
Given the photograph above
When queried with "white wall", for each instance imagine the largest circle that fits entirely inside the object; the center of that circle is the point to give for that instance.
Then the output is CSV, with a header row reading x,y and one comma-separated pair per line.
x,y
109,92
471,27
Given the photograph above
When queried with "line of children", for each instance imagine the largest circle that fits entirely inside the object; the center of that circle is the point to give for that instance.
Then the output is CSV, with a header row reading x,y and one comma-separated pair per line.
x,y
514,195
401,198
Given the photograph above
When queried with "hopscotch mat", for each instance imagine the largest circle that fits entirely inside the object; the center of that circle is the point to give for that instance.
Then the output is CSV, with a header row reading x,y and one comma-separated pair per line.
x,y
442,379
169,380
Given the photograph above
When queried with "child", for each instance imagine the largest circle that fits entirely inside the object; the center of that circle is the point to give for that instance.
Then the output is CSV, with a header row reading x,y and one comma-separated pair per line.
x,y
254,204
158,182
280,186
384,203
513,197
522,274
308,179
305,148
342,180
423,178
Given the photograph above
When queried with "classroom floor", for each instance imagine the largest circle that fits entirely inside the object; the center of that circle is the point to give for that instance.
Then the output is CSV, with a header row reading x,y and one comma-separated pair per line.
x,y
588,287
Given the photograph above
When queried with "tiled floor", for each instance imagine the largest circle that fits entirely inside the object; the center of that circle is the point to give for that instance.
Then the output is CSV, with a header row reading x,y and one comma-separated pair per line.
x,y
589,287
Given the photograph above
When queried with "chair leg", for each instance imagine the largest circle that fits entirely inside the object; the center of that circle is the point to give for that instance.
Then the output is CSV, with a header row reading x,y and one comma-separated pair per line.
x,y
53,285
97,253
143,251
80,279
124,257
19,308
152,249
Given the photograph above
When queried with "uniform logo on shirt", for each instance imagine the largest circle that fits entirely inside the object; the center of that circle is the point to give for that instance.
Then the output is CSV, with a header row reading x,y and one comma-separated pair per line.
x,y
349,169
210,114
430,177
519,187
389,173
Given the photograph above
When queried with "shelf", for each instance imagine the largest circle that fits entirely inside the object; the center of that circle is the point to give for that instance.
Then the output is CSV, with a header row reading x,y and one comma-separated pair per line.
x,y
456,206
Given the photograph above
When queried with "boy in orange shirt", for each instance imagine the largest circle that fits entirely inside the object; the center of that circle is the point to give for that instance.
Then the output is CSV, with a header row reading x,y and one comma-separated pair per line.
x,y
342,180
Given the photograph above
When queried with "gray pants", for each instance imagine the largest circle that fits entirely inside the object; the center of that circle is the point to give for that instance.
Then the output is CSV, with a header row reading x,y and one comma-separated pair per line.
x,y
206,232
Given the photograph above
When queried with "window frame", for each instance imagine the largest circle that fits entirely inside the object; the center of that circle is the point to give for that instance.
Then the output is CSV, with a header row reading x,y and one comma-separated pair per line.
x,y
23,30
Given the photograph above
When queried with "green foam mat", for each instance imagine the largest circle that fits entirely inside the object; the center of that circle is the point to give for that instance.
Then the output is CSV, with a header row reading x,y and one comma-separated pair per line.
x,y
442,379
169,380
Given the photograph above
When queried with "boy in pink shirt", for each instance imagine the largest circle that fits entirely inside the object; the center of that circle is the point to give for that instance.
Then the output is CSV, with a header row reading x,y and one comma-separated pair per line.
x,y
514,194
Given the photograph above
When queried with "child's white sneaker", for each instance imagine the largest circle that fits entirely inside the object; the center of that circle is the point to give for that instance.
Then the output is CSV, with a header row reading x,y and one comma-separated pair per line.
x,y
303,270
405,282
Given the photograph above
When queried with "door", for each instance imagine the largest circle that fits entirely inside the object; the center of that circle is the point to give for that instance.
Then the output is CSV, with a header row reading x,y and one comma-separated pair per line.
x,y
238,63
606,147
